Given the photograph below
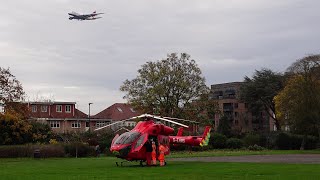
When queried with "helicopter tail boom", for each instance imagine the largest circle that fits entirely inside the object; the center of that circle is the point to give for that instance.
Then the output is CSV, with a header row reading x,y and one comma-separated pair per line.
x,y
192,140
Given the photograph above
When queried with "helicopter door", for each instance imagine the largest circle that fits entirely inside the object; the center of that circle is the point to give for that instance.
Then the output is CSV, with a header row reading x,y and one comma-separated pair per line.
x,y
140,142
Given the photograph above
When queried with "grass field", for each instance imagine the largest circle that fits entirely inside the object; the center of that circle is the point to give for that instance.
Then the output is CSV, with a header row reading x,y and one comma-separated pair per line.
x,y
238,153
105,168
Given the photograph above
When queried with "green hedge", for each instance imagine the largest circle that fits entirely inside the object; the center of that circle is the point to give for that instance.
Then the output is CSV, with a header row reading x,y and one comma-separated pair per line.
x,y
293,141
251,139
234,143
79,150
45,151
16,151
218,141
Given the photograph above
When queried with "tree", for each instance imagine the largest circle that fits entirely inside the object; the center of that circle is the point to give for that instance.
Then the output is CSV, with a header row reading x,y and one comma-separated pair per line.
x,y
10,88
14,129
224,125
202,110
167,85
40,132
260,90
298,104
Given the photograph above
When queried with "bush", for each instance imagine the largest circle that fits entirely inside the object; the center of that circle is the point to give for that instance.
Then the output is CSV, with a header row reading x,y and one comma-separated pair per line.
x,y
251,140
234,143
15,151
287,141
79,150
293,141
256,148
199,148
218,141
269,140
51,151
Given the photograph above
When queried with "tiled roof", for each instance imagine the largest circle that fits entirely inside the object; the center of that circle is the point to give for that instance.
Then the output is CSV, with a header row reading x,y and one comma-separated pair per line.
x,y
50,102
116,112
80,114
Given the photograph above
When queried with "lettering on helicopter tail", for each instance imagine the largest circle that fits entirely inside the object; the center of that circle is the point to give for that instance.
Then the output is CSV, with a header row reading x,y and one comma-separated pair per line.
x,y
177,140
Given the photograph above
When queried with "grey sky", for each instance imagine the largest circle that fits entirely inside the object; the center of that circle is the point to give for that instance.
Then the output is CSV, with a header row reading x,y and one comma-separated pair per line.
x,y
87,61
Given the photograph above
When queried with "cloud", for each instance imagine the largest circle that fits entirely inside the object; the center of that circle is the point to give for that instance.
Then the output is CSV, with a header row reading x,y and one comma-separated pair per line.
x,y
87,61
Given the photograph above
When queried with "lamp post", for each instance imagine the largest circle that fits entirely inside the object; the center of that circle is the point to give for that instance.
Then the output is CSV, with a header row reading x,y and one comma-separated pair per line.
x,y
89,117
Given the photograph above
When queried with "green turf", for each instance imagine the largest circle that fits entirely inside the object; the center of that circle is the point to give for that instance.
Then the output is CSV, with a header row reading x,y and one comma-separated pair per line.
x,y
227,152
105,168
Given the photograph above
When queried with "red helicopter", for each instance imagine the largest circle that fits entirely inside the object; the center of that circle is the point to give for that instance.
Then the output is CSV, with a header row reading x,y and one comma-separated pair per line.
x,y
130,145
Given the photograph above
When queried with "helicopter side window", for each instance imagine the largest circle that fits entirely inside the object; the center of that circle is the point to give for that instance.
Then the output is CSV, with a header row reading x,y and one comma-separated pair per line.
x,y
127,138
140,141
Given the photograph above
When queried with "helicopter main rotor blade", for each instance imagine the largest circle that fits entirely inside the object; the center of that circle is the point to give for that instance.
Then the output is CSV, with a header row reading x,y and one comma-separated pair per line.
x,y
115,123
181,120
108,125
168,120
135,117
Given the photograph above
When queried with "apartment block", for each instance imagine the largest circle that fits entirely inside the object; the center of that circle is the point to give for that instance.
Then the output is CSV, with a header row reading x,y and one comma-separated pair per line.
x,y
242,119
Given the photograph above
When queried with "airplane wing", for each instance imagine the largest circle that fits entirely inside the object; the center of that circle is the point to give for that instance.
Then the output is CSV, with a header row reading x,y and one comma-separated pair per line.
x,y
74,14
92,18
95,14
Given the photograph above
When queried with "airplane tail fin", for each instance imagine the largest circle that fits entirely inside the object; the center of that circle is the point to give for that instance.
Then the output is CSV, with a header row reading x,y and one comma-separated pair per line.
x,y
180,131
205,136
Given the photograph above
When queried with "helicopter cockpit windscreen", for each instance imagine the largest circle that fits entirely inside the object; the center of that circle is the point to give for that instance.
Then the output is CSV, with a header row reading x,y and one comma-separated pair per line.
x,y
127,138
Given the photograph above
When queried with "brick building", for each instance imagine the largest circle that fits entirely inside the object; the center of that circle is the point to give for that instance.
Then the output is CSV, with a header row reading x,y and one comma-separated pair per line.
x,y
63,117
116,112
242,119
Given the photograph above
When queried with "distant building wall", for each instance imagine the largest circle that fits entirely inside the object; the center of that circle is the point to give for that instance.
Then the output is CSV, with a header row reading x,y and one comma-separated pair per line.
x,y
242,119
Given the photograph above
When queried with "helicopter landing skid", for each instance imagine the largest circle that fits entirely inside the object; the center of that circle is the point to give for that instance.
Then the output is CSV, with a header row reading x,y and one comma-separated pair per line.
x,y
122,163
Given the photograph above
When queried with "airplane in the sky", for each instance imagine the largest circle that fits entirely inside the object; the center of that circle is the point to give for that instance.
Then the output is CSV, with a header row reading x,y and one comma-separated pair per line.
x,y
92,16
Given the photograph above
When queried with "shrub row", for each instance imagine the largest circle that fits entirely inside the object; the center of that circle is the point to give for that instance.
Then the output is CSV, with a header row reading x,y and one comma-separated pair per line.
x,y
293,141
45,151
276,140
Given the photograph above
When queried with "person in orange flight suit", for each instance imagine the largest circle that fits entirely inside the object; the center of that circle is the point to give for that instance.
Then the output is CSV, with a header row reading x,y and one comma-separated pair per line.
x,y
154,153
162,150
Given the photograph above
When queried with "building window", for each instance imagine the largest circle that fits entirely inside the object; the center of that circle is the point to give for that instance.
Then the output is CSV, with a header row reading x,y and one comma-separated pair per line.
x,y
55,124
44,108
34,108
119,109
246,105
59,108
102,123
75,124
68,108
235,114
235,105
